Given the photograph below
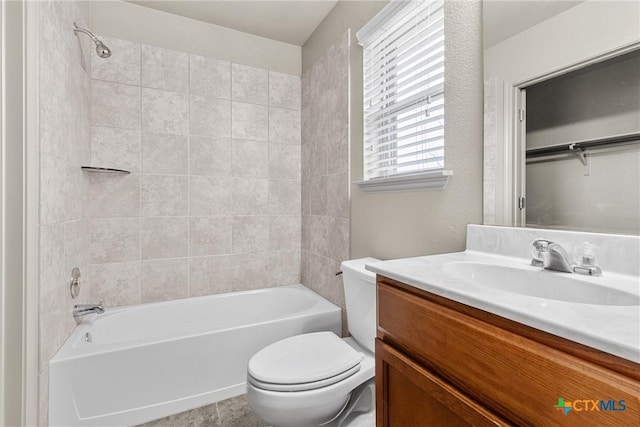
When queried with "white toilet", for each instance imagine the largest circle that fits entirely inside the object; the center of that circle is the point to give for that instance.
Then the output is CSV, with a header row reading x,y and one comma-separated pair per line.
x,y
320,379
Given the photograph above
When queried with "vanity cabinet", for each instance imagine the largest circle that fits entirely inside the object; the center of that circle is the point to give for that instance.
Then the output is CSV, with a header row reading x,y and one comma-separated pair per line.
x,y
442,363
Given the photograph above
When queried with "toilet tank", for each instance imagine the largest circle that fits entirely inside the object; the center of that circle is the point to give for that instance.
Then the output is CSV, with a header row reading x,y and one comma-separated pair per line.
x,y
360,298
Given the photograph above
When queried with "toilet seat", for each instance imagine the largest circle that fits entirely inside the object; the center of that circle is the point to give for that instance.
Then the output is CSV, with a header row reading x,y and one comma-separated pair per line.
x,y
304,362
305,386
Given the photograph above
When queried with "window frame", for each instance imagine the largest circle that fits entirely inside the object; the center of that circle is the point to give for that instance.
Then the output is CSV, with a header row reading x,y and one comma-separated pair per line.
x,y
414,180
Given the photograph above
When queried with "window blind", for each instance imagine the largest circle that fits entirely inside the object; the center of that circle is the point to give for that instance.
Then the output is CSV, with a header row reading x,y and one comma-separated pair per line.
x,y
404,89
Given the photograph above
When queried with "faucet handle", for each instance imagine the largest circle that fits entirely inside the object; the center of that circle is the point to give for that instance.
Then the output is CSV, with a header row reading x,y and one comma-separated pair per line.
x,y
540,246
586,260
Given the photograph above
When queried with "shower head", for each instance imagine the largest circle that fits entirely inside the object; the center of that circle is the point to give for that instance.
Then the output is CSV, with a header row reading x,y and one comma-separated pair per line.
x,y
101,49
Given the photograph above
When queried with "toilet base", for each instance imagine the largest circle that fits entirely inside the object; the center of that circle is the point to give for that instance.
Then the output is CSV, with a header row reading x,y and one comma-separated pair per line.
x,y
361,409
361,420
307,412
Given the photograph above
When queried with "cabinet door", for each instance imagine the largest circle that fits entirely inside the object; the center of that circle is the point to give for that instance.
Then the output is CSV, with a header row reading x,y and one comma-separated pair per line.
x,y
407,395
515,376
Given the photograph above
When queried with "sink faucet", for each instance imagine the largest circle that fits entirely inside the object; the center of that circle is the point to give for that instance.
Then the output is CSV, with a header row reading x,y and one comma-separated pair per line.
x,y
552,256
80,310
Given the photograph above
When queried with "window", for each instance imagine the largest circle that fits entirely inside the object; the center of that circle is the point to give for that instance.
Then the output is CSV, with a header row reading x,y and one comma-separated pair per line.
x,y
404,95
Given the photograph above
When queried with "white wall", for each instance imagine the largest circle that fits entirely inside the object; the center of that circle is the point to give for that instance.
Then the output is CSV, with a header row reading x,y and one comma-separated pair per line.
x,y
598,101
156,28
607,200
589,30
11,215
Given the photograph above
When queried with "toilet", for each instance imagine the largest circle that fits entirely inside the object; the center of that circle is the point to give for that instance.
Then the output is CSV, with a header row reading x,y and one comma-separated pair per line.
x,y
320,379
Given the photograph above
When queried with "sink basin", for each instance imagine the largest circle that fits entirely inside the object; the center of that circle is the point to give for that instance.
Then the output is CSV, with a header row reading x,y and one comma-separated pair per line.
x,y
540,283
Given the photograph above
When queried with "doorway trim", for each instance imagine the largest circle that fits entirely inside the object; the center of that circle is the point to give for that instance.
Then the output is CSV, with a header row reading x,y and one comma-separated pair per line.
x,y
19,213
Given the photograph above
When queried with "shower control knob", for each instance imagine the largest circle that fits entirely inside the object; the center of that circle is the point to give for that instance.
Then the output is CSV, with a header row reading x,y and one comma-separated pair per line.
x,y
74,284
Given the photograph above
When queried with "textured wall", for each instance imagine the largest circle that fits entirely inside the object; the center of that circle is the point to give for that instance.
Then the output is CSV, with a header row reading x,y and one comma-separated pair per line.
x,y
213,201
64,147
325,171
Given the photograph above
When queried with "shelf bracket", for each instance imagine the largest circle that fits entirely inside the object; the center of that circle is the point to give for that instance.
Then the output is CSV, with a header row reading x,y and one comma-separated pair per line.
x,y
582,155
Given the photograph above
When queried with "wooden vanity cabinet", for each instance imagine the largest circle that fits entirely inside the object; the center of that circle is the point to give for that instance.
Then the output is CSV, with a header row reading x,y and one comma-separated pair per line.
x,y
442,363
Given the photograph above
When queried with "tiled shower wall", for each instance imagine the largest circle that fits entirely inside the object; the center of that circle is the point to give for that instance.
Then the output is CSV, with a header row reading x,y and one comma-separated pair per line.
x,y
64,146
212,203
325,171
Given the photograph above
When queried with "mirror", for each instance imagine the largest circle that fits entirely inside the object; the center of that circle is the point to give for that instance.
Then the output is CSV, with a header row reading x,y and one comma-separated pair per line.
x,y
552,80
582,141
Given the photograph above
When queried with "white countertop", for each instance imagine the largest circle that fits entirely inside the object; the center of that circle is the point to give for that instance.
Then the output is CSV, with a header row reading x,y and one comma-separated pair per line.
x,y
613,329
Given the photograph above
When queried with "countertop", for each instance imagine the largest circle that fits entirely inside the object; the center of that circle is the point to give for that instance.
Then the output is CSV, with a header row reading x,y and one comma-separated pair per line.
x,y
613,329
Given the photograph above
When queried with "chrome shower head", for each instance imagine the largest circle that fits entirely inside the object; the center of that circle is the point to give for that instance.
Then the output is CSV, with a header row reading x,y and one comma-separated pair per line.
x,y
101,49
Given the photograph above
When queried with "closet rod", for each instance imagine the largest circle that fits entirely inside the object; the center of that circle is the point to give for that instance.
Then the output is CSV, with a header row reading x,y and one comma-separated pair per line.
x,y
630,138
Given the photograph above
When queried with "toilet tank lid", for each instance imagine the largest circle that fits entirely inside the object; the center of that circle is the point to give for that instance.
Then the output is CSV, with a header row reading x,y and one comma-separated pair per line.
x,y
356,267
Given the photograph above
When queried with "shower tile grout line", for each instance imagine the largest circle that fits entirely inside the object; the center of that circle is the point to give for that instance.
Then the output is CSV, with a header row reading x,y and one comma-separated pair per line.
x,y
189,93
230,235
140,190
188,175
139,129
148,260
268,171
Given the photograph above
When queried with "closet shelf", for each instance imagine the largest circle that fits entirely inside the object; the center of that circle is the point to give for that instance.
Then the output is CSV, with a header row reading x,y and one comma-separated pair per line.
x,y
94,169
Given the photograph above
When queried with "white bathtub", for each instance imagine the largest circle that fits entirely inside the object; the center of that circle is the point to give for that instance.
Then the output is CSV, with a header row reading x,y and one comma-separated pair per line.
x,y
153,360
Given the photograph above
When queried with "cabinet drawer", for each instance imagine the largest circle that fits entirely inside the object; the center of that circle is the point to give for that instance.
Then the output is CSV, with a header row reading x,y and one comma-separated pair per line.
x,y
409,395
518,378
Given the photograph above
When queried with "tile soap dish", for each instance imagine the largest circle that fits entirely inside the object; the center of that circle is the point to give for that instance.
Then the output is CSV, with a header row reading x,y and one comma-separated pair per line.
x,y
95,169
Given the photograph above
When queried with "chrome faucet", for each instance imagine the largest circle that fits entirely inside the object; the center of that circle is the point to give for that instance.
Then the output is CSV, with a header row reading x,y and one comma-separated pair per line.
x,y
80,310
552,256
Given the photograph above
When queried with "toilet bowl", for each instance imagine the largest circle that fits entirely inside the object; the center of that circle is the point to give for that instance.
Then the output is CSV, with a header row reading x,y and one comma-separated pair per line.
x,y
319,378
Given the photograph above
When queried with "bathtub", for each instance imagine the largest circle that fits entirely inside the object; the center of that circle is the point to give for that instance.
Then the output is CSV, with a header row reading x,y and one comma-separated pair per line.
x,y
135,364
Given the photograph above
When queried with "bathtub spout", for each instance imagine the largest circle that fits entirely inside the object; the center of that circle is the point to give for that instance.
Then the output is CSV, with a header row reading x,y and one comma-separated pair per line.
x,y
80,310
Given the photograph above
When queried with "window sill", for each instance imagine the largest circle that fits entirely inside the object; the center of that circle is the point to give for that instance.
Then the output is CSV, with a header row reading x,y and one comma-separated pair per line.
x,y
436,180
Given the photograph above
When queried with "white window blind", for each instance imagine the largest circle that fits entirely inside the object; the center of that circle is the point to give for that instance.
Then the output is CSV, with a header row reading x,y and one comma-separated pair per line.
x,y
404,89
